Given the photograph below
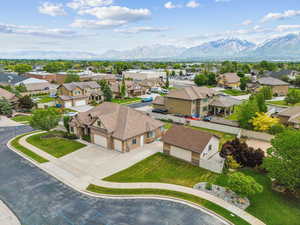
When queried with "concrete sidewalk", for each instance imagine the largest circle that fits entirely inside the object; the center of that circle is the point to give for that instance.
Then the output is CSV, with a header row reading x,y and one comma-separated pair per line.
x,y
6,122
7,217
79,180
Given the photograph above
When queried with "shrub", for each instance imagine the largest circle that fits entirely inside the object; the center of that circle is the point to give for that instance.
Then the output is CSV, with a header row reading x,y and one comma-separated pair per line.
x,y
208,186
70,136
276,129
87,138
232,164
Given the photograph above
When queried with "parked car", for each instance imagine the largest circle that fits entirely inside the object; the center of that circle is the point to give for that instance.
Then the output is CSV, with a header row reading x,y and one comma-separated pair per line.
x,y
164,91
192,118
149,99
162,111
207,118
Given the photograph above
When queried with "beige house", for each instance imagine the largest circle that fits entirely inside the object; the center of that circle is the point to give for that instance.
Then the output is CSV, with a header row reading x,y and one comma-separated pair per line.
x,y
229,80
79,93
290,116
10,97
133,89
189,101
117,127
279,87
197,147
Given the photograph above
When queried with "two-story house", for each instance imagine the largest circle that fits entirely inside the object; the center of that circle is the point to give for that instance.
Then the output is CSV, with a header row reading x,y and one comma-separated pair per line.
x,y
189,101
229,80
197,147
78,93
133,89
117,127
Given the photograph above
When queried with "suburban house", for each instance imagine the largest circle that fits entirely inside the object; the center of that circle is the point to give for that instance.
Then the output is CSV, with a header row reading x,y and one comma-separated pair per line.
x,y
290,74
279,87
133,89
117,127
290,116
110,78
79,93
50,77
151,83
189,101
10,97
197,147
229,80
35,86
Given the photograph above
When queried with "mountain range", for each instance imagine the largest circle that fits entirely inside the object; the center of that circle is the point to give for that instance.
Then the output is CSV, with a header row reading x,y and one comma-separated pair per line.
x,y
281,48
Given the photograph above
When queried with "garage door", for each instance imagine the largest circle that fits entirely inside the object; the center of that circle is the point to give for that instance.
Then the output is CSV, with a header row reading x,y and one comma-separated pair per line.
x,y
68,104
80,103
100,140
118,145
181,153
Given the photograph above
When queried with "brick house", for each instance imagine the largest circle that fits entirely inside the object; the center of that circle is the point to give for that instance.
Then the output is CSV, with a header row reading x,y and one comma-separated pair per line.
x,y
279,87
229,80
78,93
133,89
194,146
117,127
189,101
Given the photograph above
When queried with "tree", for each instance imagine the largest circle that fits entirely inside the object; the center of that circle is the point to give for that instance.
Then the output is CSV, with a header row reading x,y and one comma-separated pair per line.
x,y
261,103
276,129
211,79
106,90
283,161
54,67
21,88
297,81
243,83
26,102
5,107
123,89
263,122
292,97
45,119
200,80
242,153
167,84
267,92
247,111
243,185
66,123
72,77
22,68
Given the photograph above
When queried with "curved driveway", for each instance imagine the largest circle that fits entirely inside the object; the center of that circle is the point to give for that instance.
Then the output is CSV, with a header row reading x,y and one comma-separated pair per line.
x,y
39,199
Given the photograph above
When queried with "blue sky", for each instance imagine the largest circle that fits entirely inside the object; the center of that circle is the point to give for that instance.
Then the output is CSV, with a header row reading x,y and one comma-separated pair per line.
x,y
99,25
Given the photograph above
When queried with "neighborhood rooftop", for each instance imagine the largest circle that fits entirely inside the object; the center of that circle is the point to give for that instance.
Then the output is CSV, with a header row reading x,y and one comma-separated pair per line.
x,y
271,81
82,85
192,93
187,138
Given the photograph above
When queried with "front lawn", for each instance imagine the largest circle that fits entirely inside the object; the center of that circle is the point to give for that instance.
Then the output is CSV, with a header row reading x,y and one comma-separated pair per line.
x,y
164,169
55,146
234,92
281,103
234,115
126,100
45,99
271,207
22,118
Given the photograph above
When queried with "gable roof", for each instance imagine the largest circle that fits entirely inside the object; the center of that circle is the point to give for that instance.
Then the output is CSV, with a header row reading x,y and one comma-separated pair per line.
x,y
230,77
222,101
6,94
187,138
82,85
121,121
291,111
32,81
271,81
192,93
281,73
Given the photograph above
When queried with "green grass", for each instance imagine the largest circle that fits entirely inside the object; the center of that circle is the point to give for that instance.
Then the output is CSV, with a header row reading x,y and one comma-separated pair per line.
x,y
234,92
126,101
281,103
22,118
26,151
55,146
164,169
188,197
234,115
45,99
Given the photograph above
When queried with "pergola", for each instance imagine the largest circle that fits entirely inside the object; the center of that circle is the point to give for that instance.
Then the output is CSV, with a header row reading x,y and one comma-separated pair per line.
x,y
223,105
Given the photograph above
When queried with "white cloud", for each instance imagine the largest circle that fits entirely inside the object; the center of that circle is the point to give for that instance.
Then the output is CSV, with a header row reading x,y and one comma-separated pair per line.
x,y
222,0
77,4
192,4
171,5
247,22
52,9
36,31
283,15
134,30
281,28
97,24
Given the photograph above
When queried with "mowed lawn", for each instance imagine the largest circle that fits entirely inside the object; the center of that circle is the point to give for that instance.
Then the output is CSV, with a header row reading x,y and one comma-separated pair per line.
x,y
55,146
271,207
22,118
164,169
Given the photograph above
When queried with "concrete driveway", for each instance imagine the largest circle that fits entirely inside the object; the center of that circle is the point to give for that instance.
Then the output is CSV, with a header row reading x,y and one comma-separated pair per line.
x,y
6,122
99,162
82,108
263,145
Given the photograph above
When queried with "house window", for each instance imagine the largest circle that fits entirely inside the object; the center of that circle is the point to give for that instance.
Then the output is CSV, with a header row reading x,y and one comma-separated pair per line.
x,y
162,129
99,123
150,134
205,100
205,108
72,129
134,141
209,147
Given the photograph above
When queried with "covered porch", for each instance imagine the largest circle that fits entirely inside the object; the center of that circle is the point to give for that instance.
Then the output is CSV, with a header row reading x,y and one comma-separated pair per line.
x,y
223,106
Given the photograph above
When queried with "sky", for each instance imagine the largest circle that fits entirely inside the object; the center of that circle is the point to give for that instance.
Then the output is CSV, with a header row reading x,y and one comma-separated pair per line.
x,y
100,25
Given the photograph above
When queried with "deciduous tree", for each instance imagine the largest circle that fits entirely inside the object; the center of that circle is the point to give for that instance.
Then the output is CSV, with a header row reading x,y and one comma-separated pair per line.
x,y
45,119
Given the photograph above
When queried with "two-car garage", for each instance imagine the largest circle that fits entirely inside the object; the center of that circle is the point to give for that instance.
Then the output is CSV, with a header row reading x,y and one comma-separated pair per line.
x,y
181,153
100,140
